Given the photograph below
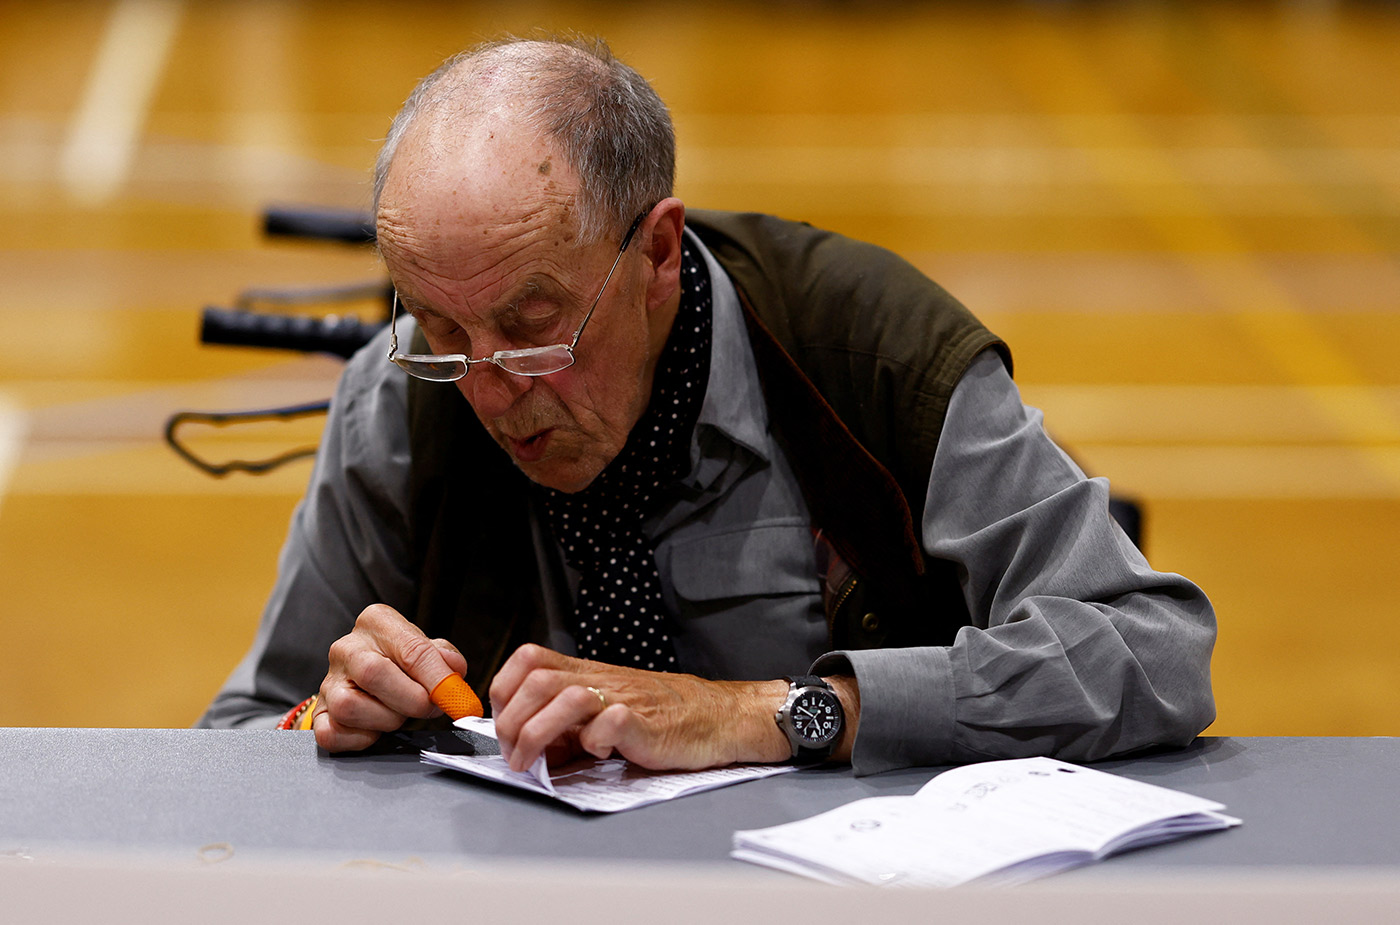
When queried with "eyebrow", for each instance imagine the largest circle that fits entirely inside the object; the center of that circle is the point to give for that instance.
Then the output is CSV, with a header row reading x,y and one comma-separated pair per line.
x,y
535,283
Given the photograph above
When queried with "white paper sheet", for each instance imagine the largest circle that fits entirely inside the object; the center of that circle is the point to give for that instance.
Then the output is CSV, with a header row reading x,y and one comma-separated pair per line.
x,y
601,785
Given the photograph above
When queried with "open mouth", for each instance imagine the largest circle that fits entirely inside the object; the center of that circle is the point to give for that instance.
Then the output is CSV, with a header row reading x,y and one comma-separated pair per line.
x,y
532,447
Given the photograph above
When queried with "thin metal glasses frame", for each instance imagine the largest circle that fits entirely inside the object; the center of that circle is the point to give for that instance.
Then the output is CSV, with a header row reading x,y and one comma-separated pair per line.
x,y
527,361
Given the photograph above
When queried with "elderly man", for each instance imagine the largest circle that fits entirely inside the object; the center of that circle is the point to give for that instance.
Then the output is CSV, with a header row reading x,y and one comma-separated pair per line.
x,y
692,488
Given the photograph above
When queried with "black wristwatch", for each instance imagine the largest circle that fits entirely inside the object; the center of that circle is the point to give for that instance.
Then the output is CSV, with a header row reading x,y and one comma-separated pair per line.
x,y
812,718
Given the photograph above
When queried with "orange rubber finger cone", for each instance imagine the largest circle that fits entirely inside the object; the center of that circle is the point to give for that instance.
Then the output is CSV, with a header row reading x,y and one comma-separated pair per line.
x,y
455,697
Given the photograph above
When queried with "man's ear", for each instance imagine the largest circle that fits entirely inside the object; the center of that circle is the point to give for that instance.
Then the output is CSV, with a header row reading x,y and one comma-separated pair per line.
x,y
660,235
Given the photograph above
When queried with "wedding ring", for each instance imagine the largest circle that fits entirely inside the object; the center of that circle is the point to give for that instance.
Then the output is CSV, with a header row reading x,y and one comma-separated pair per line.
x,y
602,700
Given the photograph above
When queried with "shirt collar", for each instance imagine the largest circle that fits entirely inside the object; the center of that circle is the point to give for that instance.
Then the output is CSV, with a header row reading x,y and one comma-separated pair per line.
x,y
734,414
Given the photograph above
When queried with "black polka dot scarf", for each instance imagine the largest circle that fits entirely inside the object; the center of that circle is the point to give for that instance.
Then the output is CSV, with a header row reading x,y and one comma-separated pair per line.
x,y
621,617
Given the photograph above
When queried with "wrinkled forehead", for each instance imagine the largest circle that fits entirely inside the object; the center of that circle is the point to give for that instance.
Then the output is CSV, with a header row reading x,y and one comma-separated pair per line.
x,y
465,217
479,174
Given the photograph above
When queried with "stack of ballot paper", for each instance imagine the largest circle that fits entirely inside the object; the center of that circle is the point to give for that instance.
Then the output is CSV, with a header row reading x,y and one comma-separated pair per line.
x,y
599,785
998,822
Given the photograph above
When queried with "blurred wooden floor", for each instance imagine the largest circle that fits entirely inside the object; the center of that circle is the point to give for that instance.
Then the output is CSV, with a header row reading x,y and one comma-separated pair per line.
x,y
1184,217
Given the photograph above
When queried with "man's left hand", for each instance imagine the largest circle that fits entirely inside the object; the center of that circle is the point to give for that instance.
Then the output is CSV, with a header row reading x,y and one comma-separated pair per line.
x,y
542,705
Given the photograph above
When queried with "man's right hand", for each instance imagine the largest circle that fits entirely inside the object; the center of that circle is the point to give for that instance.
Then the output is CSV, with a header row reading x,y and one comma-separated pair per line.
x,y
380,675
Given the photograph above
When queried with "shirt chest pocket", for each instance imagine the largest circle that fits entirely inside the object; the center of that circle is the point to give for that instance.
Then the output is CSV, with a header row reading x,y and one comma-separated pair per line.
x,y
763,561
748,601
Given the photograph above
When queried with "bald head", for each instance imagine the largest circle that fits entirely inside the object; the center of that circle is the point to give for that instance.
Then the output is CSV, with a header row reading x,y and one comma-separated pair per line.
x,y
600,116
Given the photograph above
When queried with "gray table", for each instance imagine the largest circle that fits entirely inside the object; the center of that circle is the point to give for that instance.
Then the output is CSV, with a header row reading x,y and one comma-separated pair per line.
x,y
79,804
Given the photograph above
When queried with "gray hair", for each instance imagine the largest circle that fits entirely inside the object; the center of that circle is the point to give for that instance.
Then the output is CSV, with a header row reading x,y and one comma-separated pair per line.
x,y
609,123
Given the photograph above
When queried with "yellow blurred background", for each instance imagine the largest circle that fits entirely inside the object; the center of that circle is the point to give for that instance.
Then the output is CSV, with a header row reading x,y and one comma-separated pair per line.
x,y
1184,217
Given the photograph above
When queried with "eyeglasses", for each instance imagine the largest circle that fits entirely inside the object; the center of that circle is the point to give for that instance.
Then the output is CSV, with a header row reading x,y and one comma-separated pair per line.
x,y
528,361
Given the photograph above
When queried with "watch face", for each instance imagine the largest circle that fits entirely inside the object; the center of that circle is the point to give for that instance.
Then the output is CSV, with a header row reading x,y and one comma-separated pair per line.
x,y
816,715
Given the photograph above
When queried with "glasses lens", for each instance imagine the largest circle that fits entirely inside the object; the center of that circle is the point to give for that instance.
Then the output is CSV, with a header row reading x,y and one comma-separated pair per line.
x,y
434,369
540,361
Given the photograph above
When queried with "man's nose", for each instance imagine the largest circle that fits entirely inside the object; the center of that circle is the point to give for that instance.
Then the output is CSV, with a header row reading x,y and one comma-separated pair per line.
x,y
491,390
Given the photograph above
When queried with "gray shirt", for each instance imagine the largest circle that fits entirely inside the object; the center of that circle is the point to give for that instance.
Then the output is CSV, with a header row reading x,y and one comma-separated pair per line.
x,y
1077,647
